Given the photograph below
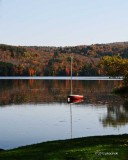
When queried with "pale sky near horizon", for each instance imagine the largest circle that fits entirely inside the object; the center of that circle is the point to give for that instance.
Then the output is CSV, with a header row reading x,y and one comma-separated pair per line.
x,y
63,22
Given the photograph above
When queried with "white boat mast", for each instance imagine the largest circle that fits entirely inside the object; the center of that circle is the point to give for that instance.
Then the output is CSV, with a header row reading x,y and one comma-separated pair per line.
x,y
71,73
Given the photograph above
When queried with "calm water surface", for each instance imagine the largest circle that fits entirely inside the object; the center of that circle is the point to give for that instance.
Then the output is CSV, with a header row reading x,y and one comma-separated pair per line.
x,y
33,111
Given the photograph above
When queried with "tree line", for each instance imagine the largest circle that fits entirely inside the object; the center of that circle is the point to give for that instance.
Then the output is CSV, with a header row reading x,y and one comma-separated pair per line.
x,y
55,61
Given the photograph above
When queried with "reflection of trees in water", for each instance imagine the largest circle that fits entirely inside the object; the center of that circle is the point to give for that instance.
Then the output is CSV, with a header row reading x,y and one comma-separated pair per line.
x,y
117,115
39,91
126,104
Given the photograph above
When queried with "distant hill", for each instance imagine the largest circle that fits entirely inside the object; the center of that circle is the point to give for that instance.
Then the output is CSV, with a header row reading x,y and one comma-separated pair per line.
x,y
55,61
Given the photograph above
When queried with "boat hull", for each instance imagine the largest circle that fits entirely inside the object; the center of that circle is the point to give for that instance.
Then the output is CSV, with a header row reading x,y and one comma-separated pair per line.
x,y
74,98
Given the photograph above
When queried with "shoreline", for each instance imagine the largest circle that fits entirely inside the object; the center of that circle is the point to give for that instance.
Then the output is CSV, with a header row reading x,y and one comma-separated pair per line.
x,y
61,78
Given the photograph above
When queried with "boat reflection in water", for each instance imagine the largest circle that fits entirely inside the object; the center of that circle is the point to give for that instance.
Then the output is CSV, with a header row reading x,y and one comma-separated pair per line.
x,y
72,99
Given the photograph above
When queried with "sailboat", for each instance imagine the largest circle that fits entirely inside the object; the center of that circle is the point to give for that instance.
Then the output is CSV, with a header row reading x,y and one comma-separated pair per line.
x,y
72,98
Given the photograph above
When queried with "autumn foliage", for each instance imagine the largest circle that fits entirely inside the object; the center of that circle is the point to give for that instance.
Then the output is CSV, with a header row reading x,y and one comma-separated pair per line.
x,y
55,61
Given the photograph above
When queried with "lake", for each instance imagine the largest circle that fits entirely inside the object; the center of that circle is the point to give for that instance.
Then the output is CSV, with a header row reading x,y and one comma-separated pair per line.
x,y
34,110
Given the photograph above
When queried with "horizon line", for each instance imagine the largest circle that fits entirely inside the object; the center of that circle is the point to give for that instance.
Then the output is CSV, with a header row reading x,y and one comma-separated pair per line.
x,y
64,45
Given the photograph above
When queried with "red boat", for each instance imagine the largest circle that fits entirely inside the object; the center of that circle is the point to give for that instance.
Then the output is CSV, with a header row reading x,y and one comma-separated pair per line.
x,y
75,98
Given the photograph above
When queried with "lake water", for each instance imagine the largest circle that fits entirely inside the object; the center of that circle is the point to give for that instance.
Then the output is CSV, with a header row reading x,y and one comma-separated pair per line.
x,y
36,110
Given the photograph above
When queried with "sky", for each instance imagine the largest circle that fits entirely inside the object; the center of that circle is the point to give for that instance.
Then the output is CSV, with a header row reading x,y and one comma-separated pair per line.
x,y
63,22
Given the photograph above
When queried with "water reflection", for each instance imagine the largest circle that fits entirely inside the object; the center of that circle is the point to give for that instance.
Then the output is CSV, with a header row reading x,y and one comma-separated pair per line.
x,y
47,91
71,119
71,102
117,115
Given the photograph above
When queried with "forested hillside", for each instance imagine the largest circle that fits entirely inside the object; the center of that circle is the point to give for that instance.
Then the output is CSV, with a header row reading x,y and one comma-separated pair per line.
x,y
55,61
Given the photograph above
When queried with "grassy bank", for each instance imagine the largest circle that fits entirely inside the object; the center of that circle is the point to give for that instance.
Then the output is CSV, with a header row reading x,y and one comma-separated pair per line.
x,y
89,148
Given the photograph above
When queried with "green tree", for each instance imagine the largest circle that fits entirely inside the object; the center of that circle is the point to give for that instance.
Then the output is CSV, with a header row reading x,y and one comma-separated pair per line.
x,y
115,66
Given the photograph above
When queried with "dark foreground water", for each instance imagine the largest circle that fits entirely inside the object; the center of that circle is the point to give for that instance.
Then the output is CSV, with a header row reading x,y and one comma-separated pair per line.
x,y
33,111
